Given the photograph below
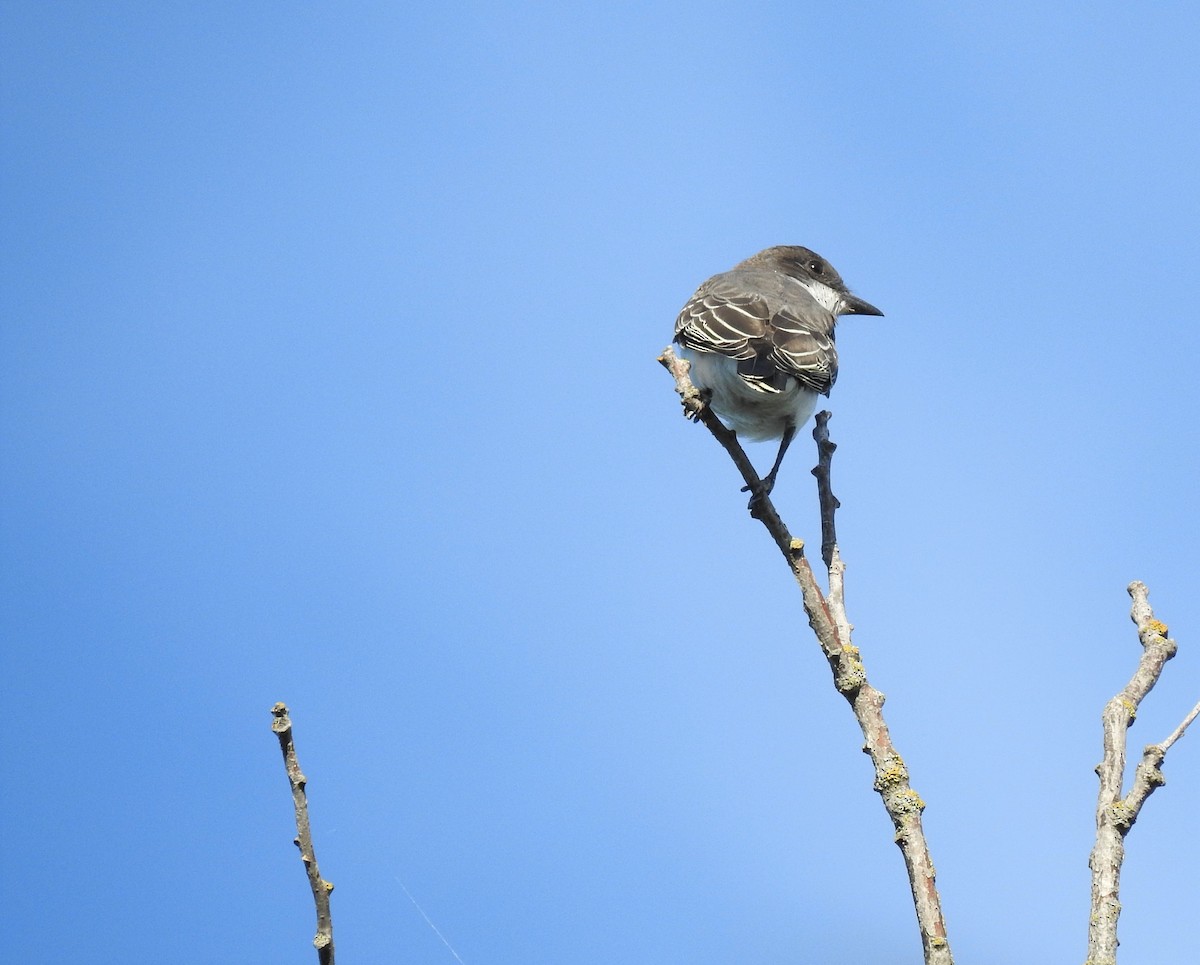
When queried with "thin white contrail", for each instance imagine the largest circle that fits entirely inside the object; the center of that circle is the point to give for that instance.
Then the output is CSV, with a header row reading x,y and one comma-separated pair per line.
x,y
429,922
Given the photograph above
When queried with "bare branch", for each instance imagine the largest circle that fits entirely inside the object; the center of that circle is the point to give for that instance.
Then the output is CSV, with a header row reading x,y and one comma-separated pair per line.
x,y
321,889
1115,813
827,617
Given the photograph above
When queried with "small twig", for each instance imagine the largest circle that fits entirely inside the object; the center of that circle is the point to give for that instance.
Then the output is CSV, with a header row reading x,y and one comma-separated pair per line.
x,y
827,617
1116,813
830,504
321,889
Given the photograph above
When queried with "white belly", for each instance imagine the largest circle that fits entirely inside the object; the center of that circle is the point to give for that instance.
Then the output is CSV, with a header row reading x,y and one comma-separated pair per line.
x,y
750,413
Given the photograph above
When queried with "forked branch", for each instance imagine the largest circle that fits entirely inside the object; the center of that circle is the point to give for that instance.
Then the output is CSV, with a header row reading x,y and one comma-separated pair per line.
x,y
1117,812
827,617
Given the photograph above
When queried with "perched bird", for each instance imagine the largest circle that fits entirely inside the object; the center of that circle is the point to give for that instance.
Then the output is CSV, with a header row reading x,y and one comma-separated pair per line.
x,y
760,340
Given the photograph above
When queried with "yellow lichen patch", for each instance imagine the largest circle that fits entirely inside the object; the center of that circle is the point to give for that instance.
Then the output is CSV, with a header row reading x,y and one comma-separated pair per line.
x,y
891,775
850,672
1158,627
907,801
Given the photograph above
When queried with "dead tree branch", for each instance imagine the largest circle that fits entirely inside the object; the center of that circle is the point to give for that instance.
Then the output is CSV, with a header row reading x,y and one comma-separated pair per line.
x,y
1115,812
827,617
321,889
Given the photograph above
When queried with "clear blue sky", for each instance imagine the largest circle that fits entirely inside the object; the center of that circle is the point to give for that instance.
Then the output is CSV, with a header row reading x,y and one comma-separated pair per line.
x,y
327,376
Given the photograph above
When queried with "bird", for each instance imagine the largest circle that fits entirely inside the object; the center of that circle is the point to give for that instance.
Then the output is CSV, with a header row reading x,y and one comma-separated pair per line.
x,y
760,340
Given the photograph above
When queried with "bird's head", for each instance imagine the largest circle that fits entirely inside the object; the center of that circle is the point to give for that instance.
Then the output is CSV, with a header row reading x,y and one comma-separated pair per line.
x,y
815,274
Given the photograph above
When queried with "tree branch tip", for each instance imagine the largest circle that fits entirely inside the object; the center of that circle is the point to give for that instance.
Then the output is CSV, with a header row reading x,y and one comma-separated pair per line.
x,y
282,722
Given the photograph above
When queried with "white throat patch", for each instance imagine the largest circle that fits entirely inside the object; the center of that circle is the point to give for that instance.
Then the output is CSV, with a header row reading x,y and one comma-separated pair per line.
x,y
829,299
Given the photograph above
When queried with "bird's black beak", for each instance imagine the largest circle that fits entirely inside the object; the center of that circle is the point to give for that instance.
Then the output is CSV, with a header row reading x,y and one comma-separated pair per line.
x,y
856,306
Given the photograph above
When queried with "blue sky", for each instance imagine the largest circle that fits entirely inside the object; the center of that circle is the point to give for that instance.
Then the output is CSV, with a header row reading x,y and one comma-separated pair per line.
x,y
327,376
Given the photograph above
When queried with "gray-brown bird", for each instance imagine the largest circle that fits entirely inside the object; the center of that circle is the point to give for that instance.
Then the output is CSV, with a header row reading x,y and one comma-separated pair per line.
x,y
760,338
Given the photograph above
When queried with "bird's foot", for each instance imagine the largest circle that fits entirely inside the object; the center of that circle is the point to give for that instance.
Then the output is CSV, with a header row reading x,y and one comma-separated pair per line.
x,y
758,493
694,407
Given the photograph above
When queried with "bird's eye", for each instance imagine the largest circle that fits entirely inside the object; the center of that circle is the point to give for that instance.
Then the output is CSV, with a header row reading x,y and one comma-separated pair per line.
x,y
816,267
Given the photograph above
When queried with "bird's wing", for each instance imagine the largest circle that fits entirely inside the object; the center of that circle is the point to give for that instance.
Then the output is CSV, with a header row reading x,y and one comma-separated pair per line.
x,y
725,319
805,349
770,343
